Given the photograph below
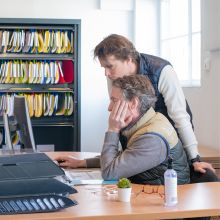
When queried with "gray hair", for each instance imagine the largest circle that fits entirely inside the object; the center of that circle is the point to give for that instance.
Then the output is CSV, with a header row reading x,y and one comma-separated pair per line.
x,y
137,86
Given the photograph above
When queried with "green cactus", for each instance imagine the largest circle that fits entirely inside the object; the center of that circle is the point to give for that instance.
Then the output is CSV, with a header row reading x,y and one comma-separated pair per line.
x,y
124,183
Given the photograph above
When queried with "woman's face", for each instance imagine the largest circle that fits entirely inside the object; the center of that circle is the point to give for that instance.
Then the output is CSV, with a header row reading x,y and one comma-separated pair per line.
x,y
115,68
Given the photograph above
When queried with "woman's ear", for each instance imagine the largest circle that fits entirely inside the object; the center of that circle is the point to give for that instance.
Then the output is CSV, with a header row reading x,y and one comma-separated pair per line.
x,y
129,60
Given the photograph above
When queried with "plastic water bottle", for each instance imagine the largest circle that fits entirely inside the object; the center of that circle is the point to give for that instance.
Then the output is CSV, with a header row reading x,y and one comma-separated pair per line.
x,y
170,182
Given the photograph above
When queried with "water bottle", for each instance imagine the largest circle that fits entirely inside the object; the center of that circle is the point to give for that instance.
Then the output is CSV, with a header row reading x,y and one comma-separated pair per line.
x,y
170,182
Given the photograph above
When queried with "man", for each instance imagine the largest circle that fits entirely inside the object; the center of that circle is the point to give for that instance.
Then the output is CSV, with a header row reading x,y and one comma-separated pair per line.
x,y
118,56
151,137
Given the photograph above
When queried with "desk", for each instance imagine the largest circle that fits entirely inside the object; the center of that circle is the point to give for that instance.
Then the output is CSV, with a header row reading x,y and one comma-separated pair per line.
x,y
195,200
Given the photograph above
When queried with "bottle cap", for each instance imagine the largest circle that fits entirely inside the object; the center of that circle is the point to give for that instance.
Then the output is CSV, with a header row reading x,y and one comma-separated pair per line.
x,y
170,163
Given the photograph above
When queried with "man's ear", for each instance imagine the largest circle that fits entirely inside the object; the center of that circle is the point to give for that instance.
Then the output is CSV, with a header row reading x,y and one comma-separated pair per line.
x,y
134,104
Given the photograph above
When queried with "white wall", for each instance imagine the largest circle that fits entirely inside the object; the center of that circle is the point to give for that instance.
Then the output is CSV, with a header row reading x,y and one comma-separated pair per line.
x,y
205,101
96,24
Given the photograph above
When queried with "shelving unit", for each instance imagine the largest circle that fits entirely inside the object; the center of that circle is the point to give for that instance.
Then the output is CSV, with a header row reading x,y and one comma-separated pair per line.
x,y
45,63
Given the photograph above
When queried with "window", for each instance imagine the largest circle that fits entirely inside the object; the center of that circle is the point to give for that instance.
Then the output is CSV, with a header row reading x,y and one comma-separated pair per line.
x,y
180,38
171,29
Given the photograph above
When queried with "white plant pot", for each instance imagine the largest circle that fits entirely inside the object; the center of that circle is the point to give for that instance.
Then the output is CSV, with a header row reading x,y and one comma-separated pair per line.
x,y
124,194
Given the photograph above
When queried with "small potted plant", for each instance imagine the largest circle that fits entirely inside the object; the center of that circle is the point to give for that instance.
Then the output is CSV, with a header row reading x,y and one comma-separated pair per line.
x,y
124,190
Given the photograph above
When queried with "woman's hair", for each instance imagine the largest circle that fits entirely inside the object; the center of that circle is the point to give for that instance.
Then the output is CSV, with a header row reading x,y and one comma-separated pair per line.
x,y
116,45
137,86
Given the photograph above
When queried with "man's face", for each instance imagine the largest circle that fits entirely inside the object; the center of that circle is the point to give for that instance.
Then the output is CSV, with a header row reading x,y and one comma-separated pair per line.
x,y
117,96
115,68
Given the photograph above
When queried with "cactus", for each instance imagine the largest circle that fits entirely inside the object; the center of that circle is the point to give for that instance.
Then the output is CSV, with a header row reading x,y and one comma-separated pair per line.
x,y
124,183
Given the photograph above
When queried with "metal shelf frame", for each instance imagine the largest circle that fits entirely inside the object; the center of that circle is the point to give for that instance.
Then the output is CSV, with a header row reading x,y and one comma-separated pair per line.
x,y
74,122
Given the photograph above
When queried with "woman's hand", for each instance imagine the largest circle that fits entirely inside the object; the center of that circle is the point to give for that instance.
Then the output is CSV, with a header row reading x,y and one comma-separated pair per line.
x,y
202,166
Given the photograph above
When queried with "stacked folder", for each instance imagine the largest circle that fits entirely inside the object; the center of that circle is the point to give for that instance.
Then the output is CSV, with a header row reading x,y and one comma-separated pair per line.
x,y
41,104
36,41
36,72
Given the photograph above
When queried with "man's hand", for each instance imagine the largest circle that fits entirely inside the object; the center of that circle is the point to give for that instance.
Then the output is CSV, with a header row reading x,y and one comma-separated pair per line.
x,y
118,118
201,166
70,161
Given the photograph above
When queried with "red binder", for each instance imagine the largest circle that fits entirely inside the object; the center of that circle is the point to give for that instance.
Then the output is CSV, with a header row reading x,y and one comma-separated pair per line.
x,y
68,72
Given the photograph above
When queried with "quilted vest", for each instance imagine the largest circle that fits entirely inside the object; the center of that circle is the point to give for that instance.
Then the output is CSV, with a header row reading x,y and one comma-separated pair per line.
x,y
152,66
156,124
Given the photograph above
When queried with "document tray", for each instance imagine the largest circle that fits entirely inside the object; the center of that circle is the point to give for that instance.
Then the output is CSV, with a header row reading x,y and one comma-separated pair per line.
x,y
27,185
28,166
40,186
34,204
